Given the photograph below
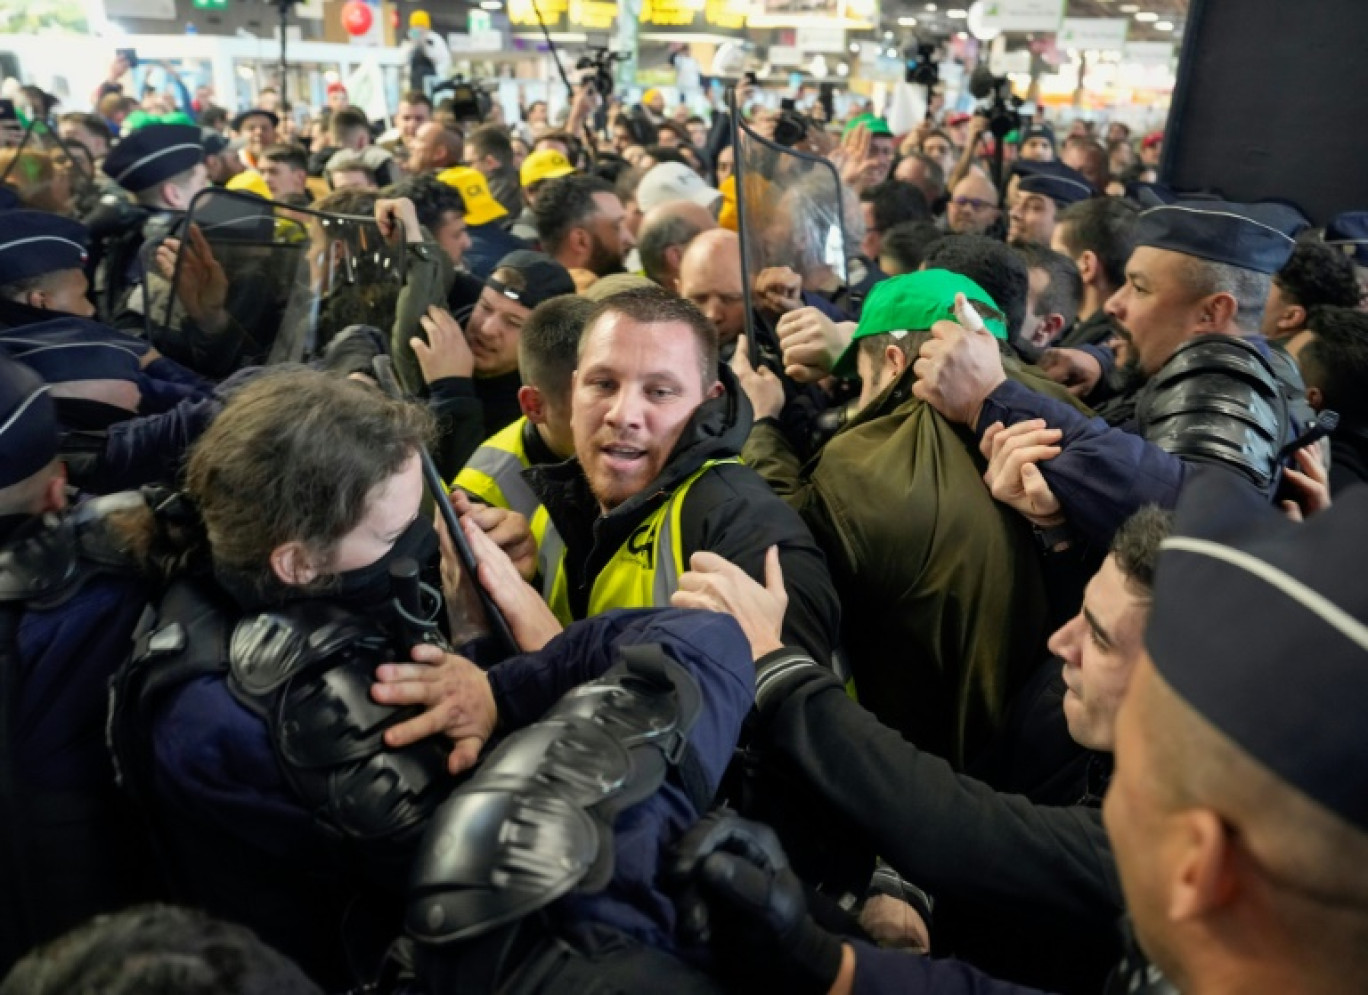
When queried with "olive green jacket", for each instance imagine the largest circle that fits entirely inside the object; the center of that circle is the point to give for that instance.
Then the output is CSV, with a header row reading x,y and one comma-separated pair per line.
x,y
943,602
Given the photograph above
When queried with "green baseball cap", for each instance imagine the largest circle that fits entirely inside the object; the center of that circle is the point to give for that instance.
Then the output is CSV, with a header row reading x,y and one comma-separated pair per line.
x,y
913,302
875,125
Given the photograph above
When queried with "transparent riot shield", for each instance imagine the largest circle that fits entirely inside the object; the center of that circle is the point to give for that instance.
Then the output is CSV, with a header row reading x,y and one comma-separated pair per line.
x,y
278,281
792,212
46,173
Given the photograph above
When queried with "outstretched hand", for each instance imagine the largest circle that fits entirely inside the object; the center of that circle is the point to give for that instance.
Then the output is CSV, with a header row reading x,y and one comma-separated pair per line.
x,y
959,366
713,583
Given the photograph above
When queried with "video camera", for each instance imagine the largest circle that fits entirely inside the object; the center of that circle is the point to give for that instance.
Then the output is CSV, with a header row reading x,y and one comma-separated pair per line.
x,y
599,65
1000,105
921,69
469,101
792,125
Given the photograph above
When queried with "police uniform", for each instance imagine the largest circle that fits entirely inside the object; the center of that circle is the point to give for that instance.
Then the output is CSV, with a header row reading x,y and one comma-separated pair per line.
x,y
1349,232
144,159
1223,399
1059,182
69,601
34,244
107,447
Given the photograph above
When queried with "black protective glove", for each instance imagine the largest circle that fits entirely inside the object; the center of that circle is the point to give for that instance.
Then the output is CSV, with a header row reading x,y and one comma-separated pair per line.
x,y
738,893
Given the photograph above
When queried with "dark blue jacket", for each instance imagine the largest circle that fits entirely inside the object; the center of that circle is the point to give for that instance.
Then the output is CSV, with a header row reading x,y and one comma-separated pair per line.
x,y
895,972
488,244
215,760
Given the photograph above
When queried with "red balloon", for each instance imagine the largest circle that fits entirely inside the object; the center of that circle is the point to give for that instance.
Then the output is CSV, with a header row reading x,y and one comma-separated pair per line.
x,y
357,17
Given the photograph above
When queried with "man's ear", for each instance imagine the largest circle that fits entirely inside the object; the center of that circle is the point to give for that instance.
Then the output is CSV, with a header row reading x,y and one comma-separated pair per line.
x,y
1048,330
1218,312
292,564
1293,317
1087,266
896,360
533,405
1315,398
1205,873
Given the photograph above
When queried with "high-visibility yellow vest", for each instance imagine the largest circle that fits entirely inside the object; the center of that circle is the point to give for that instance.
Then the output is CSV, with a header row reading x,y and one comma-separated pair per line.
x,y
645,570
494,475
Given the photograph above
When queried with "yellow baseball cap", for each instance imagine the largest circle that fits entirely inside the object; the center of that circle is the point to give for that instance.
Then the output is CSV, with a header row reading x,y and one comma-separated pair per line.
x,y
420,19
545,164
481,207
251,181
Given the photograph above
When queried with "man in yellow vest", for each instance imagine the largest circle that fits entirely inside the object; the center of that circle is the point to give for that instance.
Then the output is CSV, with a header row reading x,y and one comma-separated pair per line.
x,y
547,347
658,425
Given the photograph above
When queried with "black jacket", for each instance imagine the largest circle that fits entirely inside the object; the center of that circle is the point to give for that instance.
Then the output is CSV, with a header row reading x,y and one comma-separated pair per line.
x,y
730,511
997,859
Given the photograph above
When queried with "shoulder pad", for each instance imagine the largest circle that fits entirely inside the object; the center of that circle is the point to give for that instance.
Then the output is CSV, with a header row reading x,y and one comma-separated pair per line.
x,y
1217,400
268,649
41,561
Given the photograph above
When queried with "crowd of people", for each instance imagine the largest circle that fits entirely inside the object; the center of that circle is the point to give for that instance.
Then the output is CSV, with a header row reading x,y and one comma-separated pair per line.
x,y
641,551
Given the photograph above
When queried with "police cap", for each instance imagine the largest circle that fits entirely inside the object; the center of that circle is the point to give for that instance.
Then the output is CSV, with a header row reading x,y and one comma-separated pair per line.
x,y
1256,237
28,423
1349,231
1261,625
70,349
35,243
1059,182
154,155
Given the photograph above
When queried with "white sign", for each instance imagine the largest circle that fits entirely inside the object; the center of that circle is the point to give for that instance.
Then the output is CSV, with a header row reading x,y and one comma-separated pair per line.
x,y
1015,61
785,55
158,10
1023,15
812,40
1148,53
366,90
1102,33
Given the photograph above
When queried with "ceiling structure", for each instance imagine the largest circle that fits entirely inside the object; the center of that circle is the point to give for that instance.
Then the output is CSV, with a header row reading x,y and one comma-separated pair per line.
x,y
1151,20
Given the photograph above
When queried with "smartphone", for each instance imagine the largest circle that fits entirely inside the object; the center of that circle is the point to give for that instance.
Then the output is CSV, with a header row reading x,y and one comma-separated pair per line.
x,y
7,111
129,55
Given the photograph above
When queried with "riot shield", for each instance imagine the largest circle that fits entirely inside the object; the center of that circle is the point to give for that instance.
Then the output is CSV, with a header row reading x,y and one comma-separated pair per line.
x,y
792,211
282,280
46,173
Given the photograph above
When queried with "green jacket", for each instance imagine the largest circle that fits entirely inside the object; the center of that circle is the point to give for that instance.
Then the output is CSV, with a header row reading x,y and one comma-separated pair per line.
x,y
943,602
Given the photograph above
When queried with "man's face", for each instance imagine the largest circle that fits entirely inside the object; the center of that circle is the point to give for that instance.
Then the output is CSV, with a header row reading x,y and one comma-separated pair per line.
x,y
712,281
64,290
493,332
726,163
337,99
411,117
390,509
355,178
1277,303
622,138
1100,647
636,388
972,209
258,132
1037,150
424,148
1155,306
1137,817
452,236
698,134
1088,160
667,139
937,148
610,234
873,235
1151,154
1032,219
97,146
282,179
880,158
656,104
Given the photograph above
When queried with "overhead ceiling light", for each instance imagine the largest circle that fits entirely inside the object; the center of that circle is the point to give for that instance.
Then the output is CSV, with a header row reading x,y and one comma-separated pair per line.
x,y
1146,16
491,4
1164,26
931,7
842,69
1128,8
854,46
892,53
907,22
957,15
888,36
962,35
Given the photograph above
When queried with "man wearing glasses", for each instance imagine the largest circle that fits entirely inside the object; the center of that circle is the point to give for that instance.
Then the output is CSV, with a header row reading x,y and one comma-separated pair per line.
x,y
973,207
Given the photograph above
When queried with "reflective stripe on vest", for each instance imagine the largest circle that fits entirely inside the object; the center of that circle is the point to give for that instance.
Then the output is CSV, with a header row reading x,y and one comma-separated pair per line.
x,y
494,472
645,570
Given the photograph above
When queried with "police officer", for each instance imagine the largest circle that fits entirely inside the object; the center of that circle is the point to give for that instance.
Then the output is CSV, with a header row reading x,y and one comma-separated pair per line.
x,y
1195,287
162,167
547,347
1043,190
70,596
1242,841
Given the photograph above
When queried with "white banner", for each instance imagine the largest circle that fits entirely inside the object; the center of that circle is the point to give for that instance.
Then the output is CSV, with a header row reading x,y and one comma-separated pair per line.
x,y
1023,15
158,10
1148,53
1103,33
366,90
812,40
